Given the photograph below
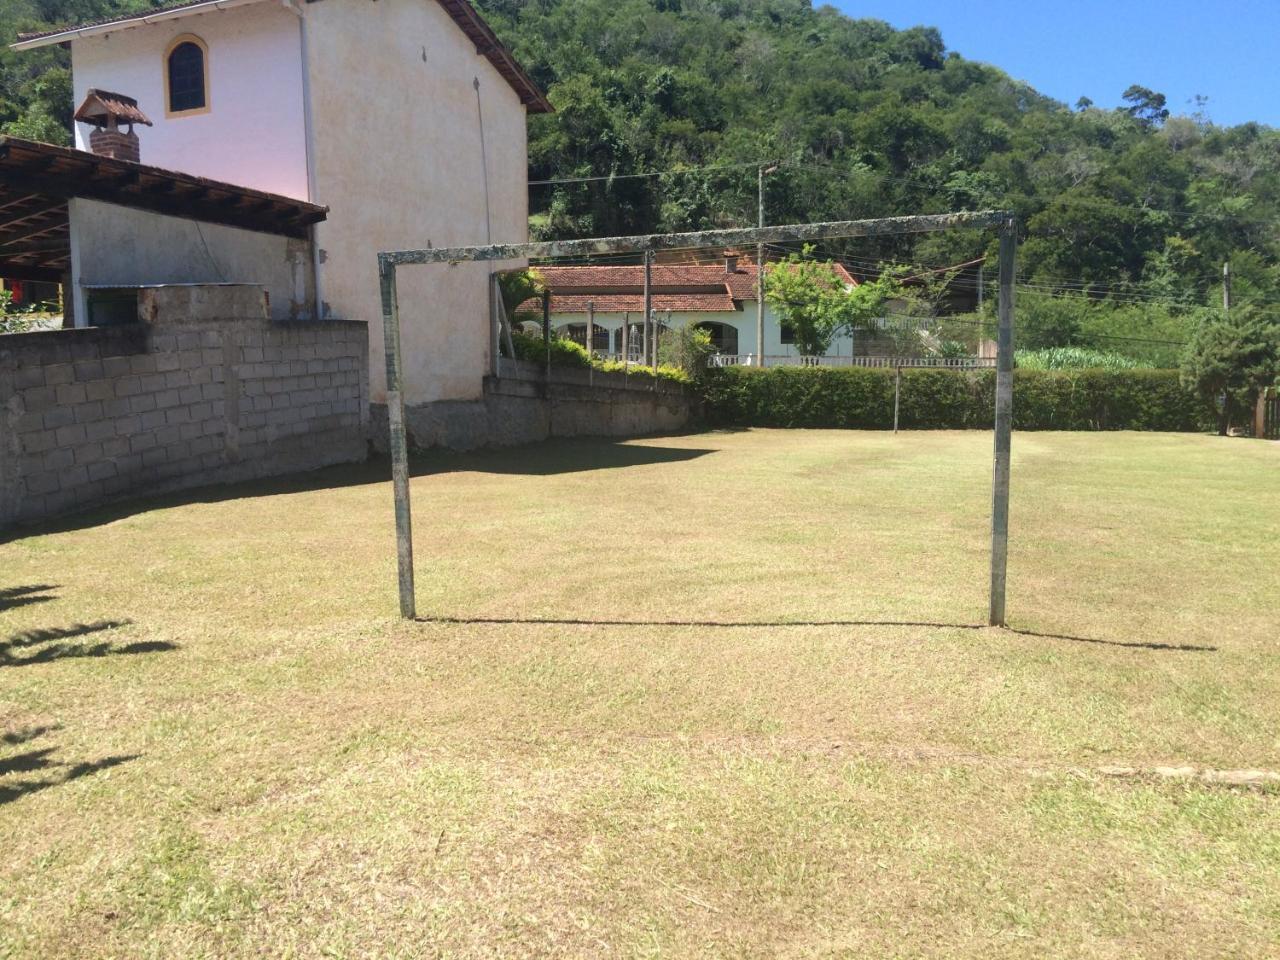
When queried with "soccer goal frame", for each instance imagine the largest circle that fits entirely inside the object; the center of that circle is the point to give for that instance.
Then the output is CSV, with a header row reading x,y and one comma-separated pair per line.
x,y
1002,221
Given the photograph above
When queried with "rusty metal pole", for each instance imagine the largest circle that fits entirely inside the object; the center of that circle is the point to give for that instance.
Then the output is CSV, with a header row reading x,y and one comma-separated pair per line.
x,y
399,444
1004,426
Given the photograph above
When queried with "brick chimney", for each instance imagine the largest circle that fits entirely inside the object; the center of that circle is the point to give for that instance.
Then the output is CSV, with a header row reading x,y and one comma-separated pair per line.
x,y
107,112
116,143
731,261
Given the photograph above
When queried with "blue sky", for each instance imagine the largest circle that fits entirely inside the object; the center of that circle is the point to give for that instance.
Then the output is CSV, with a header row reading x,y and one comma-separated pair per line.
x,y
1229,51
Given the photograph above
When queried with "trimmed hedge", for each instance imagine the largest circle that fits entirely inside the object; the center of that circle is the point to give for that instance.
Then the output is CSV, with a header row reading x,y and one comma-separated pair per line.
x,y
861,398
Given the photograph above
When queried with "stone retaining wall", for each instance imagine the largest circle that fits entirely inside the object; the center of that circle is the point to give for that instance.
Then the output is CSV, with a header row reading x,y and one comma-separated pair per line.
x,y
208,390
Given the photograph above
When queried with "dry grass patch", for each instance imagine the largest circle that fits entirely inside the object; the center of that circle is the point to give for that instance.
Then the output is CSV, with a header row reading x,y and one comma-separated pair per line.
x,y
216,739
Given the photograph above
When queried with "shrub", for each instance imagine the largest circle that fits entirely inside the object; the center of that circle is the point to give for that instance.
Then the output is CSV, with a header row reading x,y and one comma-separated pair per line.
x,y
951,399
567,353
686,348
1230,361
1076,358
564,353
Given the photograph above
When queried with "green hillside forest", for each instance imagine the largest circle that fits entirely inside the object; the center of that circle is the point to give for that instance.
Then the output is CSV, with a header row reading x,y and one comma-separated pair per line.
x,y
1127,215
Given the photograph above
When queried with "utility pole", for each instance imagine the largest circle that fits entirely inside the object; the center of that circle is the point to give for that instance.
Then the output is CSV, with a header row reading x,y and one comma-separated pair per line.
x,y
1226,289
770,168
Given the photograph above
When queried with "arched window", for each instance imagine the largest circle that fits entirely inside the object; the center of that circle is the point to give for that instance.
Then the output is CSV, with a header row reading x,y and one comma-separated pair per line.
x,y
186,77
724,337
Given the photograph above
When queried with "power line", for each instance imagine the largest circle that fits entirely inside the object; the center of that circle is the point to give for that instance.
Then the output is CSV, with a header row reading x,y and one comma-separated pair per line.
x,y
816,164
655,173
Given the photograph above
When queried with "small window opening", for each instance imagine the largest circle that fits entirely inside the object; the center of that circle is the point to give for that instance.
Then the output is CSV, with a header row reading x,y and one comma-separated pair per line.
x,y
187,77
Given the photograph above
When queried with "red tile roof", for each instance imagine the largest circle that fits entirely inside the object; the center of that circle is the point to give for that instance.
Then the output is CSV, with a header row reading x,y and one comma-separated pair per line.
x,y
686,288
634,303
101,105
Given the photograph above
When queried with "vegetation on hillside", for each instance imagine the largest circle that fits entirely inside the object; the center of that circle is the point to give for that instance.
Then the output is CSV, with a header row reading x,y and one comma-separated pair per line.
x,y
1132,210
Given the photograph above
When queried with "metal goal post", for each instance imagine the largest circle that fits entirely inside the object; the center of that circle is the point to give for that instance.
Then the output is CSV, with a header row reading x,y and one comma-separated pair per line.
x,y
1002,221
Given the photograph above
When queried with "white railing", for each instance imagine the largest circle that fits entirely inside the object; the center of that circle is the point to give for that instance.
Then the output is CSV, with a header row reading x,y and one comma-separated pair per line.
x,y
891,363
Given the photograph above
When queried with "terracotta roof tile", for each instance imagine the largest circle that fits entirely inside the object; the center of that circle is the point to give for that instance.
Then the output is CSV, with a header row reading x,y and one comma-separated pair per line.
x,y
634,303
688,288
101,105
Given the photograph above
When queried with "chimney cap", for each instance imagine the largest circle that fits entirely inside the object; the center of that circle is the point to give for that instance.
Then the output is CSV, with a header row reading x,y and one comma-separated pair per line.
x,y
100,107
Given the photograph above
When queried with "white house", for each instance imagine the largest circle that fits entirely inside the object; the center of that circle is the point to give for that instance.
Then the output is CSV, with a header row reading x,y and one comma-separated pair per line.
x,y
720,297
405,118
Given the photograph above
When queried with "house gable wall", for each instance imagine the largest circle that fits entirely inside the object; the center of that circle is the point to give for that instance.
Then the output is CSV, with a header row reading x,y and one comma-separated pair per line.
x,y
399,162
253,133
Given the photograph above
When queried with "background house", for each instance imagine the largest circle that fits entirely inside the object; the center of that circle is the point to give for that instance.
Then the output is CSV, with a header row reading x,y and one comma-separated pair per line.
x,y
720,297
405,118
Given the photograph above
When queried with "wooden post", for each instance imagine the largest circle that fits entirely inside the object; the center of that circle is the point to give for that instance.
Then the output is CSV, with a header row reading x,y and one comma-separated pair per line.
x,y
897,392
495,326
591,342
546,339
653,345
648,304
1004,426
398,441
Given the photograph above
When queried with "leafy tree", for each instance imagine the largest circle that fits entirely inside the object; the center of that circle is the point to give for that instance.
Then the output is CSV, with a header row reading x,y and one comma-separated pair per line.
x,y
664,108
813,302
1146,106
1230,360
518,286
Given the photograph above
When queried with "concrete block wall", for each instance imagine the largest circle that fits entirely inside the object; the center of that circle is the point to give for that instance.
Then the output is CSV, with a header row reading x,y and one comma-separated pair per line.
x,y
209,391
521,407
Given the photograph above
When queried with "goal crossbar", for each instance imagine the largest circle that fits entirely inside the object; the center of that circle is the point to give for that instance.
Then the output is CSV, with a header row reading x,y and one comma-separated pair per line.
x,y
734,237
1003,221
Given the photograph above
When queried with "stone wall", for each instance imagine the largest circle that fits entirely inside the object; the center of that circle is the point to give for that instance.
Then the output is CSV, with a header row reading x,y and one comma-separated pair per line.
x,y
520,407
208,390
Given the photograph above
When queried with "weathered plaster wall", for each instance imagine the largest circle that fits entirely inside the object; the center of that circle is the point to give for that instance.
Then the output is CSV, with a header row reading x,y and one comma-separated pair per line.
x,y
209,391
253,133
400,164
120,246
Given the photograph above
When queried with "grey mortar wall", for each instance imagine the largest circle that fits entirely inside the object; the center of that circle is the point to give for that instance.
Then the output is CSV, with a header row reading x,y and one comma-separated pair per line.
x,y
208,390
520,407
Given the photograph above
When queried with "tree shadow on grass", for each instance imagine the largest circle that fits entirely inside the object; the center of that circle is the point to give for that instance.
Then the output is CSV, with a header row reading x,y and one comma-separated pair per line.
x,y
44,646
772,624
545,458
12,597
53,772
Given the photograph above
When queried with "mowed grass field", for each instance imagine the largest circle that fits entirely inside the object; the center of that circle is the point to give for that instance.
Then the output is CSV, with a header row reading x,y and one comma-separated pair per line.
x,y
716,695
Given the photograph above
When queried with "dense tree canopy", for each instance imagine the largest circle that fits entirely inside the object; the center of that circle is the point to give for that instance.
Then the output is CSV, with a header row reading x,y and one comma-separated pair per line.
x,y
1138,202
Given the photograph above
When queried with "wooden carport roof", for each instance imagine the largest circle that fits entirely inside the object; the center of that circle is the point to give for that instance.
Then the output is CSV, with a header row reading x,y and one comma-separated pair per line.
x,y
37,180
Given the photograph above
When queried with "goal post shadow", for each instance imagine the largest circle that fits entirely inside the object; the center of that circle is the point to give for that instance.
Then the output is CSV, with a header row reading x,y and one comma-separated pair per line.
x,y
1002,221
